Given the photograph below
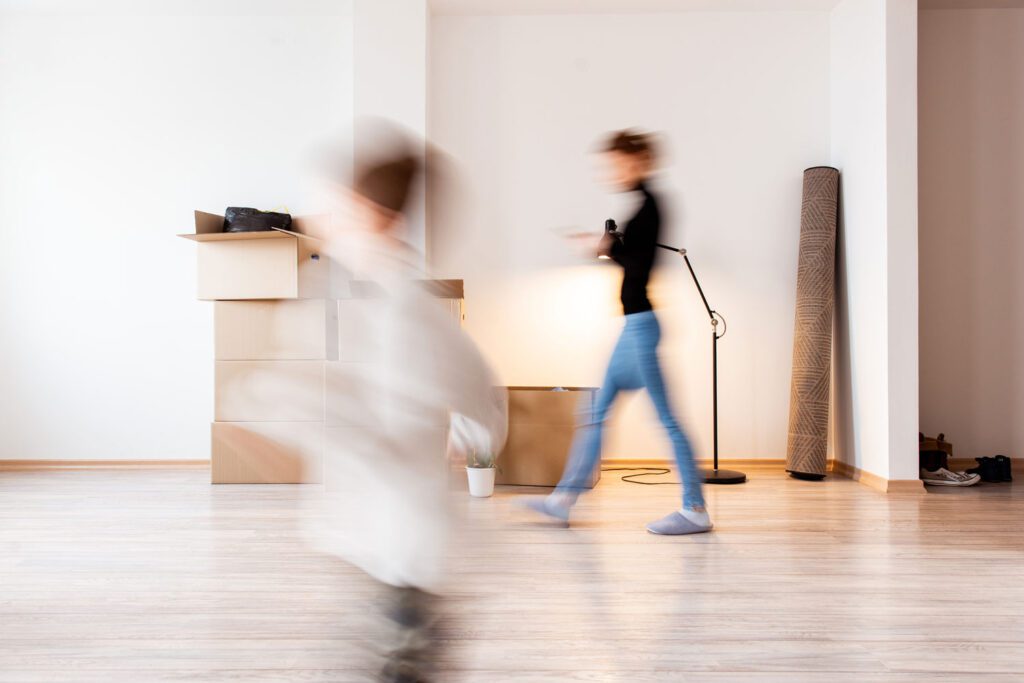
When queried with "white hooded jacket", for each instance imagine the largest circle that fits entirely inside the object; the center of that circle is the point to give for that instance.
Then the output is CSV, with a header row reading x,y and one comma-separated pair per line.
x,y
386,504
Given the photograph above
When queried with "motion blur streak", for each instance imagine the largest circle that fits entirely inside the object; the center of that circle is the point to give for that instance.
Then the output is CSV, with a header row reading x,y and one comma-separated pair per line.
x,y
385,506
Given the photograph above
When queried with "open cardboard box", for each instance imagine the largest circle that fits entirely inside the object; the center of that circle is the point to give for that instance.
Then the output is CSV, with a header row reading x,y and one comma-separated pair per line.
x,y
271,264
541,426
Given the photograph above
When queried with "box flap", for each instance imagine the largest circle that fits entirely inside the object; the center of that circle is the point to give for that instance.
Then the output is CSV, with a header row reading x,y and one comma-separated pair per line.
x,y
210,228
552,389
208,222
440,289
289,232
317,226
224,236
445,289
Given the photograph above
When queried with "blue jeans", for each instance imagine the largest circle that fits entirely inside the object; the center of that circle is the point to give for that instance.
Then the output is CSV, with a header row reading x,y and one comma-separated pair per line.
x,y
633,365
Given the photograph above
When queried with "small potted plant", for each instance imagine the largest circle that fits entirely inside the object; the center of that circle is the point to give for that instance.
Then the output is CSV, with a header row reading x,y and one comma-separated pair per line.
x,y
480,469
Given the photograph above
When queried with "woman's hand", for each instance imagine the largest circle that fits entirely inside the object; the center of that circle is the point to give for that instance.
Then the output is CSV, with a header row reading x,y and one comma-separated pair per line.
x,y
580,243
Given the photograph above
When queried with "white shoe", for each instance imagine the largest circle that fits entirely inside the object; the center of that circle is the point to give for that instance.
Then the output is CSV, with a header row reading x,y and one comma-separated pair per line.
x,y
943,477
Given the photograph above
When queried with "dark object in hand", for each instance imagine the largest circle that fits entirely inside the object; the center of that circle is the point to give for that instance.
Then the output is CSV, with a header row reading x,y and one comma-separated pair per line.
x,y
612,230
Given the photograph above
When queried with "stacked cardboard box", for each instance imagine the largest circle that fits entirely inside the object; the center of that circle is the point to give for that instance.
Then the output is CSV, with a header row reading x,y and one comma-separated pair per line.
x,y
288,350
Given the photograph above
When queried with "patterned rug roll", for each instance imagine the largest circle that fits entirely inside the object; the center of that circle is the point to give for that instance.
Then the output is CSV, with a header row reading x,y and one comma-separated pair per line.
x,y
806,455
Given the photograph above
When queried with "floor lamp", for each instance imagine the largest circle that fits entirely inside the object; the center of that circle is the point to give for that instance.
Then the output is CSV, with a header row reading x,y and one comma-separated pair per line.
x,y
716,475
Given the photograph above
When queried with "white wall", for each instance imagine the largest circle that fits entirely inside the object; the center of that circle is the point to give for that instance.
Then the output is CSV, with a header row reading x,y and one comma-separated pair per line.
x,y
743,98
901,218
114,126
390,81
972,229
873,133
858,150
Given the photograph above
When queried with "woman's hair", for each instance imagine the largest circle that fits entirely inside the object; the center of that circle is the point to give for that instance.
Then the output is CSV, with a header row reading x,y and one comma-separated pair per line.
x,y
389,182
630,142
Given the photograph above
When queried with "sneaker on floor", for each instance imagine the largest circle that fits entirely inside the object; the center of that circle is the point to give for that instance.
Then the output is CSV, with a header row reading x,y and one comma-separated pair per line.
x,y
943,477
549,508
676,524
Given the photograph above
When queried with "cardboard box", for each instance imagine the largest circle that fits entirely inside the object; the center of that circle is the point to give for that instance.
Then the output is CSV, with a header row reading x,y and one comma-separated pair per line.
x,y
272,264
268,391
346,450
355,338
297,329
454,309
266,452
541,425
356,314
347,394
352,396
351,454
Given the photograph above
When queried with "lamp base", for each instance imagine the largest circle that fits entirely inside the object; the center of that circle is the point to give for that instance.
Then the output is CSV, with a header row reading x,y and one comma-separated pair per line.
x,y
723,477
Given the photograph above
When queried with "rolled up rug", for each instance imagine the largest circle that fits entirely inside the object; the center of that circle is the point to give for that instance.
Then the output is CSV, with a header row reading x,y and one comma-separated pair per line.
x,y
807,449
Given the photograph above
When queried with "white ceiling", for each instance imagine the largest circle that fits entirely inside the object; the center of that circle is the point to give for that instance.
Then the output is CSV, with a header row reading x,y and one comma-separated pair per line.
x,y
476,7
176,7
472,7
971,4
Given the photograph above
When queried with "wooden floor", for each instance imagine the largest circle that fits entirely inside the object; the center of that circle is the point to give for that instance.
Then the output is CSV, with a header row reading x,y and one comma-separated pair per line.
x,y
157,576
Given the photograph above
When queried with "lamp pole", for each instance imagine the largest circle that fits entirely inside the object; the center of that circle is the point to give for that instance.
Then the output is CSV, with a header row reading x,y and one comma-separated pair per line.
x,y
716,475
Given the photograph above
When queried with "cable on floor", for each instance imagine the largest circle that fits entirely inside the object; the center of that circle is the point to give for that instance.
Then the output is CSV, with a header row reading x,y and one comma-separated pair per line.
x,y
646,472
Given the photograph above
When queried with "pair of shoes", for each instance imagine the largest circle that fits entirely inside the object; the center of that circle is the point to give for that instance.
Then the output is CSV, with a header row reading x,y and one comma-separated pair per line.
x,y
672,524
943,477
995,469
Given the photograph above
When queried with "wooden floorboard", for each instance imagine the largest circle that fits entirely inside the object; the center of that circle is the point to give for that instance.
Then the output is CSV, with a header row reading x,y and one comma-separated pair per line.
x,y
155,575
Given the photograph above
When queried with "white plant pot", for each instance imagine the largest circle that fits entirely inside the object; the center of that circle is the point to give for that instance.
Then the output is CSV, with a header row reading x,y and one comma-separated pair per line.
x,y
481,481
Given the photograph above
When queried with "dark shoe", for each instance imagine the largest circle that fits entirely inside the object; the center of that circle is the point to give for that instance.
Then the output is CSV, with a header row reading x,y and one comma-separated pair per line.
x,y
1004,467
414,647
399,671
987,469
933,460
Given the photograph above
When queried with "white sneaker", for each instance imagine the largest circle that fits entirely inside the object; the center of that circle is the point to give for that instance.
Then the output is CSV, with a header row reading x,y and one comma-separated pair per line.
x,y
943,477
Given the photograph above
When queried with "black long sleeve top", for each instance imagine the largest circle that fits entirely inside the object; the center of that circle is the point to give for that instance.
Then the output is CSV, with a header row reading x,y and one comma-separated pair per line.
x,y
636,252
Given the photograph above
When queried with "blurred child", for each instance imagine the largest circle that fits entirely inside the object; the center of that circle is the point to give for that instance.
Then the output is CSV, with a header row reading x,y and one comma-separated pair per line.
x,y
386,506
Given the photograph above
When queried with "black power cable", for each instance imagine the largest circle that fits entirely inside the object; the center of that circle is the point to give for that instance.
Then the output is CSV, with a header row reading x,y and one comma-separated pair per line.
x,y
646,472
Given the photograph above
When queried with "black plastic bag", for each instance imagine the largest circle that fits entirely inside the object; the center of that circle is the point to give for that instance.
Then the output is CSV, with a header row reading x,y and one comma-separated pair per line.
x,y
240,219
